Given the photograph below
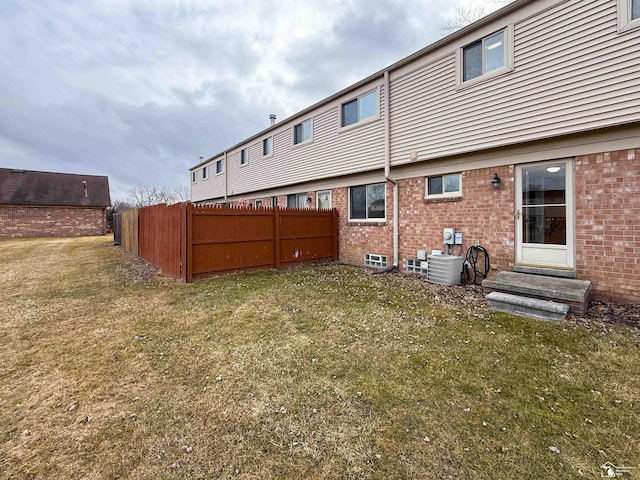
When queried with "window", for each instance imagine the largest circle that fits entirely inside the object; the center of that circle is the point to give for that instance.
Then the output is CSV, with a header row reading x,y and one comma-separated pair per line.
x,y
193,177
267,146
220,166
297,200
635,9
205,173
360,108
244,156
484,56
323,199
367,202
258,203
274,201
444,186
302,132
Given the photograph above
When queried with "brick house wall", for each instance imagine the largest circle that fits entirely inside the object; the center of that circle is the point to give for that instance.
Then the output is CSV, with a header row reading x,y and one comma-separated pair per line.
x,y
21,221
608,223
607,199
357,238
482,214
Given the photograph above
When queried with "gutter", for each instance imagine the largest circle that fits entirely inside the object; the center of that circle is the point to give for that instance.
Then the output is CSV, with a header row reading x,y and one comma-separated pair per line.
x,y
387,172
226,177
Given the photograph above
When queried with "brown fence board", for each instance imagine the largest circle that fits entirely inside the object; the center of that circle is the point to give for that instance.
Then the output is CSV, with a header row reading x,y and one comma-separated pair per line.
x,y
160,236
129,238
189,241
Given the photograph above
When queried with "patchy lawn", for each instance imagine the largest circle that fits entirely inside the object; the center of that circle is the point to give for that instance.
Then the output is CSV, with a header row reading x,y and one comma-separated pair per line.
x,y
108,371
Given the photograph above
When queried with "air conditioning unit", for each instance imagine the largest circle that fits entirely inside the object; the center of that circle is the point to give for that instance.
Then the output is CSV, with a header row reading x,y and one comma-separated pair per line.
x,y
444,269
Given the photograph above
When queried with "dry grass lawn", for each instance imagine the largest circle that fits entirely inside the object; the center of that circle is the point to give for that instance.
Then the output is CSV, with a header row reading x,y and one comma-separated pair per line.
x,y
322,373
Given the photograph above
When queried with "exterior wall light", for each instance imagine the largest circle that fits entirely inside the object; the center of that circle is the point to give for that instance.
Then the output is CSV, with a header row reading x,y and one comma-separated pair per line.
x,y
309,200
496,181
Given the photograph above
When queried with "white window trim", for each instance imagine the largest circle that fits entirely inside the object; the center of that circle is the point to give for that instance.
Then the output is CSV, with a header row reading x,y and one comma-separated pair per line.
x,y
366,121
194,177
224,167
271,154
247,162
205,172
444,194
325,191
367,220
293,134
508,67
624,17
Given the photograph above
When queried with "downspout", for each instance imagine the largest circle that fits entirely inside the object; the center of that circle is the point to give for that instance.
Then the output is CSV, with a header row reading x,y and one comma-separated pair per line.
x,y
387,171
226,169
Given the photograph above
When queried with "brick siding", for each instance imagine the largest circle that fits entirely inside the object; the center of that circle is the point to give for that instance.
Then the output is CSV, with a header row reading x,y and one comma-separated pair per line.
x,y
607,193
608,223
481,214
21,221
357,238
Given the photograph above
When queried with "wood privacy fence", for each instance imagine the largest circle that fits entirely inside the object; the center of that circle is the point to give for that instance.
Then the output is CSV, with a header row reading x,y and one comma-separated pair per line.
x,y
193,241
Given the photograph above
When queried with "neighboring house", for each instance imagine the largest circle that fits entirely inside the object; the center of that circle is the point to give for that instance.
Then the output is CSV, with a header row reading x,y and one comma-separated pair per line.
x,y
43,204
543,95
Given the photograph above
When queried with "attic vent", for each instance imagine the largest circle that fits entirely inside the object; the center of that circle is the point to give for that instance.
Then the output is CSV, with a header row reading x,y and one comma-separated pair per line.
x,y
17,171
84,184
374,260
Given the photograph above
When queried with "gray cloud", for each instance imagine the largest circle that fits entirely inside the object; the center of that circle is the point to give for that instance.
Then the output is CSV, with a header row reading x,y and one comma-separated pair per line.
x,y
138,91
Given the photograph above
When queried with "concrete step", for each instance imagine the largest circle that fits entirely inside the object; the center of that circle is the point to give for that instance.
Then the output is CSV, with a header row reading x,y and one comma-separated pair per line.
x,y
527,306
569,291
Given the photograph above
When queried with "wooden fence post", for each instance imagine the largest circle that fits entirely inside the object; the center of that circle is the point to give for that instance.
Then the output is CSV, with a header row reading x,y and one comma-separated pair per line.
x,y
335,234
183,241
276,229
189,219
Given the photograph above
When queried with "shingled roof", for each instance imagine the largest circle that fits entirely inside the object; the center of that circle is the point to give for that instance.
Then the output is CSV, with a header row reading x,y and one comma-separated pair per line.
x,y
29,187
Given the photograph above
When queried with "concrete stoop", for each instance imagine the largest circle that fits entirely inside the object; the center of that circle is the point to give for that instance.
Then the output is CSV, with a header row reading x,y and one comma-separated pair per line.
x,y
528,307
572,293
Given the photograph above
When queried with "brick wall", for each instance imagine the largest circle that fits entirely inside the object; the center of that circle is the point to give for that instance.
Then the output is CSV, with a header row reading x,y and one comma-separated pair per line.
x,y
481,214
18,221
608,223
357,238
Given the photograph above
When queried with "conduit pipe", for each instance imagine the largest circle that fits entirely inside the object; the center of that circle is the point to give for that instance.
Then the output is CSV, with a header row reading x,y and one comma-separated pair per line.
x,y
225,177
387,171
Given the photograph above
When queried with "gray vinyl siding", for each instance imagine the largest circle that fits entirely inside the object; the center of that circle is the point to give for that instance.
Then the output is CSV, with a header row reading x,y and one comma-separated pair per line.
x,y
212,187
332,151
572,72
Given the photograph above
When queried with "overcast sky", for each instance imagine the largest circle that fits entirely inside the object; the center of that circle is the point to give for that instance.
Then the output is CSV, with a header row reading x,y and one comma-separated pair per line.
x,y
139,89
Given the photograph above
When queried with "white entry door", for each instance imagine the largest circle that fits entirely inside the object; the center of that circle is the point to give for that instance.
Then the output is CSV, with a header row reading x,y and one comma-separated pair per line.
x,y
545,215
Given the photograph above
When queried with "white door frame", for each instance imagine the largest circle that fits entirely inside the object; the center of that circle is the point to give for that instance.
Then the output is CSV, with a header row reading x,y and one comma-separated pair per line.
x,y
540,255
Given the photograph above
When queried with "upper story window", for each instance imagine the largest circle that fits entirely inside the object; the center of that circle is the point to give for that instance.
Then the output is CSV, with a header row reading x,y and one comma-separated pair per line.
x,y
358,109
367,202
267,146
193,177
302,132
439,186
220,166
628,14
205,173
244,156
484,56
